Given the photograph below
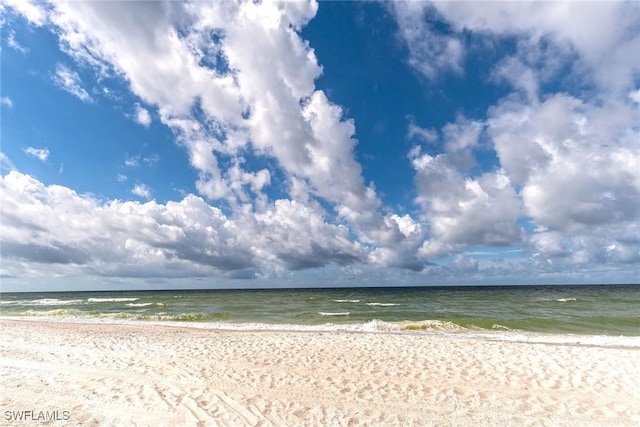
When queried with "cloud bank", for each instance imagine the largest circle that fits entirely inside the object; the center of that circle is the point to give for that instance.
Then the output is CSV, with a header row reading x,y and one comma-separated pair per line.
x,y
236,84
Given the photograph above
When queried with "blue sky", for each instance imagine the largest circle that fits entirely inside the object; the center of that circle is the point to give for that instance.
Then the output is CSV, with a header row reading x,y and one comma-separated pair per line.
x,y
241,144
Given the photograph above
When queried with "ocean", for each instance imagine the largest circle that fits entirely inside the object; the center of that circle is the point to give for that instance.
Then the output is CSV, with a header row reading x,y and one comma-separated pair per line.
x,y
612,310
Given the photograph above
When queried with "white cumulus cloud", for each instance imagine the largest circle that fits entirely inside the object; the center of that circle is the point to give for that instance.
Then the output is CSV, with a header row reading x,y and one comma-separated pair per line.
x,y
430,52
254,93
568,163
235,81
142,115
31,10
464,212
78,234
141,190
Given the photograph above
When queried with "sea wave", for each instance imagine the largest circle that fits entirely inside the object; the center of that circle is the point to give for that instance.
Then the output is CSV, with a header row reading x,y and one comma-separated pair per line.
x,y
112,299
382,304
142,304
347,300
170,317
329,313
377,325
556,299
187,317
49,301
499,327
431,327
59,312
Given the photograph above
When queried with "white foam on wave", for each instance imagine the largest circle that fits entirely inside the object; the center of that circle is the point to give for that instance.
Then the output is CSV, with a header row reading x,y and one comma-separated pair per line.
x,y
53,301
431,325
377,325
566,299
58,312
142,304
437,328
112,299
346,300
382,304
339,313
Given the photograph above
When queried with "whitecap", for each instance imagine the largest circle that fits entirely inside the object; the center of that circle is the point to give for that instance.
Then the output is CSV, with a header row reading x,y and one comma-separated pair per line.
x,y
377,325
54,301
346,300
341,313
112,299
382,304
54,312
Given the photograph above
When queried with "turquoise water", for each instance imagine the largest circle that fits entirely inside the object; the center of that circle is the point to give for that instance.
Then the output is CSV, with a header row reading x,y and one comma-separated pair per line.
x,y
592,310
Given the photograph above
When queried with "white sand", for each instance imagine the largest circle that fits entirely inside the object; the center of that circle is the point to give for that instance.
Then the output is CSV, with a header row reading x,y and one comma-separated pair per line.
x,y
120,374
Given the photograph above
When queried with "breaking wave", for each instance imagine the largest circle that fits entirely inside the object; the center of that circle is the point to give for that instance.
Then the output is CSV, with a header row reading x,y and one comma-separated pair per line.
x,y
44,302
145,304
382,304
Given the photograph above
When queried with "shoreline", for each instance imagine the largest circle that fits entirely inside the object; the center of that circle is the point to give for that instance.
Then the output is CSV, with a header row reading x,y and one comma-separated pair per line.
x,y
372,327
144,373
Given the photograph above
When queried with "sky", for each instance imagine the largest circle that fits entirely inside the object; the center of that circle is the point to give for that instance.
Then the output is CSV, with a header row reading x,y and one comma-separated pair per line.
x,y
217,144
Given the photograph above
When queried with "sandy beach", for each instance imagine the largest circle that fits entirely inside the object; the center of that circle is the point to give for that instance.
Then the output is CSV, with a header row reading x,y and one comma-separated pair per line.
x,y
147,374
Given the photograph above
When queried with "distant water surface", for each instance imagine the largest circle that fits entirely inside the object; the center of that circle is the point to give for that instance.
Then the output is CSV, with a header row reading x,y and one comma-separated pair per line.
x,y
591,310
